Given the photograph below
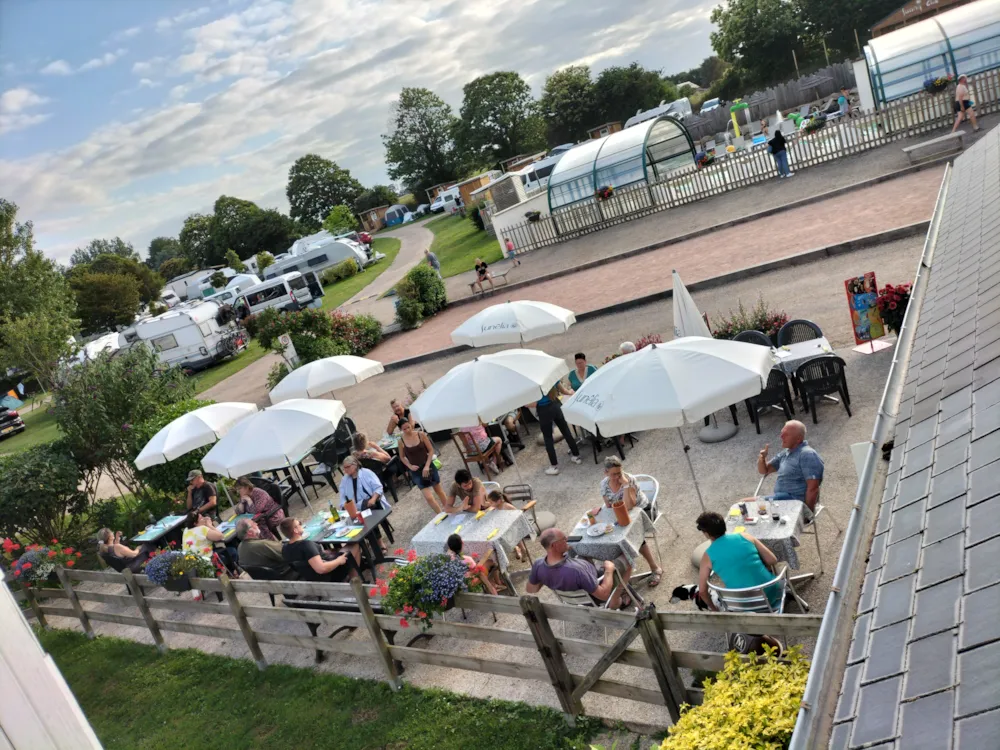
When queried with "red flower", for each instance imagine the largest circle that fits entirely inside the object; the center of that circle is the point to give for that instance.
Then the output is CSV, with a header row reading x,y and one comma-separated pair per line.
x,y
407,608
398,551
422,614
55,541
189,542
384,590
404,623
52,553
70,563
444,601
17,573
372,592
26,566
392,573
892,305
173,542
68,550
79,554
411,555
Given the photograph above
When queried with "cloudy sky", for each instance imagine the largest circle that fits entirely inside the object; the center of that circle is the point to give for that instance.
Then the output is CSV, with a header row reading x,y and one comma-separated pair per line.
x,y
121,117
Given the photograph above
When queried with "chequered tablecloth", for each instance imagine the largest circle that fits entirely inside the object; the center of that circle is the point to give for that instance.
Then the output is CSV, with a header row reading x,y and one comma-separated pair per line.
x,y
797,354
780,538
512,526
621,540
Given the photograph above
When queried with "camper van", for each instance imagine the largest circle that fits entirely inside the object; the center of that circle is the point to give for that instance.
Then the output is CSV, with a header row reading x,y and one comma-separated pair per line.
x,y
447,201
204,283
169,298
239,283
290,292
317,253
189,336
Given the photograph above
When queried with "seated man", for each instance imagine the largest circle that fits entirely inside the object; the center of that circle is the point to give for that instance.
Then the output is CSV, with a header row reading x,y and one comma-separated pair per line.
x,y
257,552
741,562
299,552
399,413
362,486
466,494
799,467
560,572
201,495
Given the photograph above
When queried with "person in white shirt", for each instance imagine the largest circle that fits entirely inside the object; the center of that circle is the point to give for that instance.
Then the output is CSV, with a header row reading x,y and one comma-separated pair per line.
x,y
964,106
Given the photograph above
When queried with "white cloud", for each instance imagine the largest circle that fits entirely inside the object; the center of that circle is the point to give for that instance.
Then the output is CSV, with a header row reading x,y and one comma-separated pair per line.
x,y
128,33
148,66
14,104
57,68
108,58
169,22
146,83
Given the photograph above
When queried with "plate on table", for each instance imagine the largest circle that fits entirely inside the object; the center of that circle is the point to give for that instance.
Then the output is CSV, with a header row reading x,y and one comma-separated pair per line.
x,y
599,529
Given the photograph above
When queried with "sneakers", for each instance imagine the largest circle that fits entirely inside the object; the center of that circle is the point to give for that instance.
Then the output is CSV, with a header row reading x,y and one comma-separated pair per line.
x,y
575,459
790,174
552,471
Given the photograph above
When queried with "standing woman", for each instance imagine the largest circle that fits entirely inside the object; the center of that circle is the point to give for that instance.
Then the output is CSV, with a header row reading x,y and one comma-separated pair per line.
x,y
550,413
777,148
582,371
417,454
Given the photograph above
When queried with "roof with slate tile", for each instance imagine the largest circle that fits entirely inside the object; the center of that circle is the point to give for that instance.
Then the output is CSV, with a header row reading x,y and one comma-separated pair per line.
x,y
924,665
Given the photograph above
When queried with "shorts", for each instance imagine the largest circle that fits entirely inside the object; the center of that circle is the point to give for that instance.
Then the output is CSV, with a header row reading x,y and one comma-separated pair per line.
x,y
967,104
425,483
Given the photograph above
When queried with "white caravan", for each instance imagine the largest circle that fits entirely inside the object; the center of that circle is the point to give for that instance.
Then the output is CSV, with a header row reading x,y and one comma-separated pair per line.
x,y
288,292
239,283
318,252
189,336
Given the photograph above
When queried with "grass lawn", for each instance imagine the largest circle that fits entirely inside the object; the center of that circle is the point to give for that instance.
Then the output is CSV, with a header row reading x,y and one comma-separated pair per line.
x,y
213,375
40,427
457,243
339,293
137,699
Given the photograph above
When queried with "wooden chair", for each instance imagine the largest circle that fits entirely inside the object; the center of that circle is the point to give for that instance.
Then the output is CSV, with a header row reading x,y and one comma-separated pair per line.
x,y
775,393
821,377
470,453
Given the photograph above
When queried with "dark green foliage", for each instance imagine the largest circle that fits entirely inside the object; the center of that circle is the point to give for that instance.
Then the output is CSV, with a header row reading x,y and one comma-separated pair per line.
x,y
421,294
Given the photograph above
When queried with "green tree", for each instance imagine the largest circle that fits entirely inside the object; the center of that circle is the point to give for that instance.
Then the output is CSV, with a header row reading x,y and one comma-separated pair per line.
x,y
217,280
315,186
234,262
264,259
500,118
708,72
836,21
172,267
620,92
340,220
171,476
374,197
105,300
162,249
420,147
196,239
114,246
758,36
150,283
567,104
37,305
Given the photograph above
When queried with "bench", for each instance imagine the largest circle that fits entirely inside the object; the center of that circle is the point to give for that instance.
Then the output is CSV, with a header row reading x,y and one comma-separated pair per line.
x,y
499,279
943,144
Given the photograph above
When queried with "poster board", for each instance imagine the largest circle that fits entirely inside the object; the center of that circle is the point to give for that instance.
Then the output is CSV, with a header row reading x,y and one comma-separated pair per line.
x,y
866,322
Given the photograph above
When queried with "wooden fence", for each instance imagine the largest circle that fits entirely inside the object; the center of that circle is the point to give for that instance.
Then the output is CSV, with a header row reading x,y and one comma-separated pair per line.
x,y
916,115
250,624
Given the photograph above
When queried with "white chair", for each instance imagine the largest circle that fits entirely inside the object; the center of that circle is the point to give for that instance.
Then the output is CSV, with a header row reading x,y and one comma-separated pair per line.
x,y
490,486
580,598
753,598
810,528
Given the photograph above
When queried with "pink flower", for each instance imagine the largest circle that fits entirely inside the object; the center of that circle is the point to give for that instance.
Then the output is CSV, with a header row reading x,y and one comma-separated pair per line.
x,y
373,592
404,623
411,555
421,614
70,563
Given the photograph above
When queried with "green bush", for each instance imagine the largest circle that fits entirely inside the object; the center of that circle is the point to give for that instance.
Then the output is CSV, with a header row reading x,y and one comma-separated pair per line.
x,y
170,477
130,514
310,348
408,313
758,318
272,323
361,333
276,374
421,294
476,217
343,270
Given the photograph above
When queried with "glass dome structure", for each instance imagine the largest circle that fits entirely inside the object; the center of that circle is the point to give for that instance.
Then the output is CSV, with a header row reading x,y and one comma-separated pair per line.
x,y
962,40
643,153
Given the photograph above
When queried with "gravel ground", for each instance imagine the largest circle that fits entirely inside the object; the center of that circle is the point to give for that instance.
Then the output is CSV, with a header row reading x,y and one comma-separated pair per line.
x,y
725,473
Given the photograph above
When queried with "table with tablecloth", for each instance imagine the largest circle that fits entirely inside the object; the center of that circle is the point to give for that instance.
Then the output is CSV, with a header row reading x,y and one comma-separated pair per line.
x,y
511,526
781,538
791,357
621,540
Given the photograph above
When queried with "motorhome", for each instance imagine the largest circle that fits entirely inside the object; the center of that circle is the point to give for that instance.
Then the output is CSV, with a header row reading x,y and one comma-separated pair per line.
x,y
204,285
169,298
190,336
317,253
535,176
180,284
239,283
290,292
447,201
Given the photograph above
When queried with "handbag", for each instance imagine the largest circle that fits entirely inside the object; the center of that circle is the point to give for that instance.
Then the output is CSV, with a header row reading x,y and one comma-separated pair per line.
x,y
436,462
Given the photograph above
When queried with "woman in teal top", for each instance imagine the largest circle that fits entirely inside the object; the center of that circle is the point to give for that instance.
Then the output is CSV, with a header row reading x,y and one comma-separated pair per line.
x,y
582,371
738,559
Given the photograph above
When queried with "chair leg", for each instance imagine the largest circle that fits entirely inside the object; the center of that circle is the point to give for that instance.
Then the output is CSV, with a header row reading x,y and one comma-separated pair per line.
x,y
732,410
846,400
819,554
812,407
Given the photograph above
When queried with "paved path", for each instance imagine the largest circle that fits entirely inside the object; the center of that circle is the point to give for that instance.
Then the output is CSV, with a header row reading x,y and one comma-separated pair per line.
x,y
885,206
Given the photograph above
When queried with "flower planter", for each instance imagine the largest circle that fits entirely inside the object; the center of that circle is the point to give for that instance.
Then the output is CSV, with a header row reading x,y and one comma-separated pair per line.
x,y
936,85
182,583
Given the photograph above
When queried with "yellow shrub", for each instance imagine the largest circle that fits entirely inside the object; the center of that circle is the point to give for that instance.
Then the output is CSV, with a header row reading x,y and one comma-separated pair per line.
x,y
749,706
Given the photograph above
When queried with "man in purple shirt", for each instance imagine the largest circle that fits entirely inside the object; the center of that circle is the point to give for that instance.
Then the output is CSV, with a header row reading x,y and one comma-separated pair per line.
x,y
562,573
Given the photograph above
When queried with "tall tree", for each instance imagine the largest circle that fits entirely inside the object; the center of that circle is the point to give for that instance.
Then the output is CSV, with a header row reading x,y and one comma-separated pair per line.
x,y
567,104
836,21
500,117
172,267
340,221
114,246
621,92
149,282
106,300
37,307
758,36
375,196
315,186
162,249
234,262
196,239
419,147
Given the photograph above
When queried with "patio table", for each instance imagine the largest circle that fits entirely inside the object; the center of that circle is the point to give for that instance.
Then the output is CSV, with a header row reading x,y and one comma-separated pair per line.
x,y
319,529
790,359
781,538
511,526
160,529
228,528
621,540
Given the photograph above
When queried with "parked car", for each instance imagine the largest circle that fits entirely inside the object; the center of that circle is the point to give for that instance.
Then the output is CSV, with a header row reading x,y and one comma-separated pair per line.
x,y
710,104
422,209
10,422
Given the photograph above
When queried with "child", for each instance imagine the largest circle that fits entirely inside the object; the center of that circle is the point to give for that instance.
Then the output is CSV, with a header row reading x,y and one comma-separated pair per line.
x,y
498,501
510,251
455,548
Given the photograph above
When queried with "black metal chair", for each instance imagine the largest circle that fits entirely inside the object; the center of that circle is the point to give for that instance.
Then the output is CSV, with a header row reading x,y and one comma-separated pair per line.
x,y
277,573
754,337
732,410
795,331
378,468
775,393
820,377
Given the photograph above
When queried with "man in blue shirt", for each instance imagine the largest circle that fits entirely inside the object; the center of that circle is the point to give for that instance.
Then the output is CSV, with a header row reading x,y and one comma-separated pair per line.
x,y
799,467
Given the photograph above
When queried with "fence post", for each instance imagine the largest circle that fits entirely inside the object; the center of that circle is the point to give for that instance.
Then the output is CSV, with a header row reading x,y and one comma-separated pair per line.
x,y
551,653
29,596
378,637
75,602
241,619
659,653
140,602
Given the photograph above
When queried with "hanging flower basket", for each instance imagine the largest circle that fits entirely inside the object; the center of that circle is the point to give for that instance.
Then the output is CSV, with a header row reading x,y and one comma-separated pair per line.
x,y
892,302
426,585
604,193
180,583
533,215
703,159
816,122
937,85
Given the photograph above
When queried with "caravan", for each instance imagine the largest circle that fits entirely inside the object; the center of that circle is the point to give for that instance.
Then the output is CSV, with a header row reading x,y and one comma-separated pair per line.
x,y
318,252
239,283
289,292
189,336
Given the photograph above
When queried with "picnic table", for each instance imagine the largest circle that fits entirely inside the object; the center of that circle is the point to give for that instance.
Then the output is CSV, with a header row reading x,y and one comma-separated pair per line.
x,y
156,531
498,530
794,355
621,540
228,528
781,538
321,530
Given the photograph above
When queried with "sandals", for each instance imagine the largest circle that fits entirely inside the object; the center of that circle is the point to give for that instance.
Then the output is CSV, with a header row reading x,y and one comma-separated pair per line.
x,y
655,578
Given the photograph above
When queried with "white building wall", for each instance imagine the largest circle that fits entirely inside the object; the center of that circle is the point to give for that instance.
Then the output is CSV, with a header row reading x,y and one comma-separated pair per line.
x,y
514,215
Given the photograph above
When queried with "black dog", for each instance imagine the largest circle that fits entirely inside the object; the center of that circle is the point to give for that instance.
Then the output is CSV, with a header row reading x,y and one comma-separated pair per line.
x,y
687,593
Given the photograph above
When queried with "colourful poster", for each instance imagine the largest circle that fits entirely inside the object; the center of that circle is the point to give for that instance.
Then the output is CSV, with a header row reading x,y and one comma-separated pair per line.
x,y
862,293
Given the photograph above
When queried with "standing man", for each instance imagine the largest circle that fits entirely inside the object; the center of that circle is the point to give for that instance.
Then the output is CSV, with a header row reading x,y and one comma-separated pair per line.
x,y
201,495
799,467
433,262
964,107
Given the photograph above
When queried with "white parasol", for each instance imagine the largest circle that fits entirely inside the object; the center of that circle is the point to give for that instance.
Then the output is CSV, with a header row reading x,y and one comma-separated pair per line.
x,y
324,376
513,323
191,431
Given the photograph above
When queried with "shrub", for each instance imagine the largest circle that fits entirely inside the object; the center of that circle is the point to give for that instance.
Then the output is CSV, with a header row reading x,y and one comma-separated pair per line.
x,y
361,333
421,293
130,514
171,476
477,218
343,270
758,318
276,374
750,705
310,348
408,313
272,323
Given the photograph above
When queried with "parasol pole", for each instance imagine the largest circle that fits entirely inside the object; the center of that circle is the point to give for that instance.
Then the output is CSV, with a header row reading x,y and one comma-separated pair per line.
x,y
694,478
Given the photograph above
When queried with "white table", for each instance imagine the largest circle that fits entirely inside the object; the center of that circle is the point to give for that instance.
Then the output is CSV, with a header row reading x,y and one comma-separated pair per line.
x,y
781,538
790,358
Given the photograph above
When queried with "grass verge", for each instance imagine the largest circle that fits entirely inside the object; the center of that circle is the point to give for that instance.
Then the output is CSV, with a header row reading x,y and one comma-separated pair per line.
x,y
213,375
40,427
457,243
137,699
339,293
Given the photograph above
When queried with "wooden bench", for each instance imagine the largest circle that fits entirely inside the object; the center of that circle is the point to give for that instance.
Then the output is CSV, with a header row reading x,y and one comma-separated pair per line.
x,y
943,144
499,279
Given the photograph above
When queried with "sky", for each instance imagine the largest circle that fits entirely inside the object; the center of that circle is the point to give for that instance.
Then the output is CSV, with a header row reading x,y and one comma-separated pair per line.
x,y
125,116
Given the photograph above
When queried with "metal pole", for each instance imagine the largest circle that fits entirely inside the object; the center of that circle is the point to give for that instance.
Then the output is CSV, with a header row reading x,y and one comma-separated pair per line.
x,y
688,457
857,42
796,61
826,54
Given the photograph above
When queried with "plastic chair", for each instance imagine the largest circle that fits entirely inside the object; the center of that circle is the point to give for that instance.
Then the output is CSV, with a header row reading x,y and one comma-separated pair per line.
x,y
580,598
775,393
811,528
521,493
795,331
378,468
753,337
822,376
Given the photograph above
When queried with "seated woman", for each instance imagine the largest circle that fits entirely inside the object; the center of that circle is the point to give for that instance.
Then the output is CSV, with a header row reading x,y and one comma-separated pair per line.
x,y
119,556
199,540
617,486
740,561
265,511
488,446
483,274
455,550
498,501
363,448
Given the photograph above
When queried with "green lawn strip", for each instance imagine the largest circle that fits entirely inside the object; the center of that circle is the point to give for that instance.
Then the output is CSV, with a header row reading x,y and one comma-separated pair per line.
x,y
40,427
339,293
216,374
457,243
137,699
